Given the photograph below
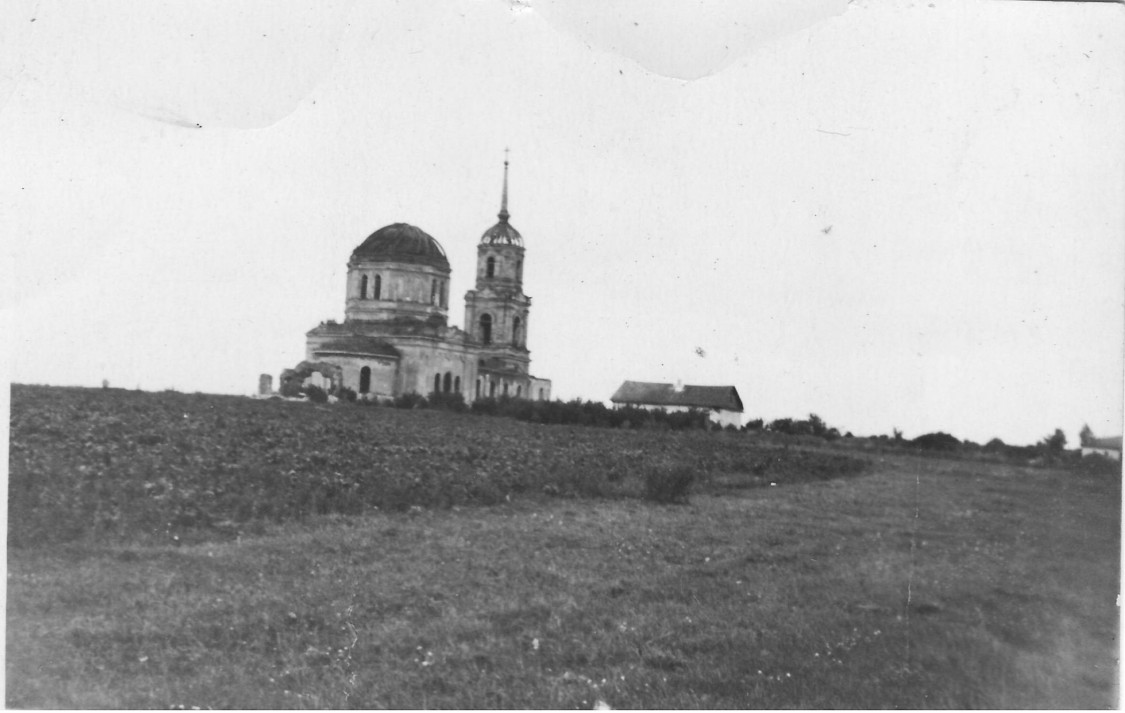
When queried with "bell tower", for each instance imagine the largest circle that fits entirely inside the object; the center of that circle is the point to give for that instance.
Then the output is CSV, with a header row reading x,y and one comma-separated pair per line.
x,y
496,312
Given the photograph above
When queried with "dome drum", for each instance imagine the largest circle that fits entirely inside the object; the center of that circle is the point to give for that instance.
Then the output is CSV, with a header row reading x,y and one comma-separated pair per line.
x,y
399,270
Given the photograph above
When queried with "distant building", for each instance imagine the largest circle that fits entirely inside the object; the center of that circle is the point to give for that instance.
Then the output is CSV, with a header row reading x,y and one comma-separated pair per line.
x,y
1108,447
395,337
722,402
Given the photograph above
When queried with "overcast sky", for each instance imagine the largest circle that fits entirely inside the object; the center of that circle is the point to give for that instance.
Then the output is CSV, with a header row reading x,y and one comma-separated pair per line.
x,y
892,214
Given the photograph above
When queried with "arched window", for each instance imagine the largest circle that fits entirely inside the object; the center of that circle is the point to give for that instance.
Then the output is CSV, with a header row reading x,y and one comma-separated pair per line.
x,y
490,267
457,384
363,287
519,391
445,294
478,387
437,383
540,394
486,328
516,332
365,380
448,384
378,291
492,388
433,292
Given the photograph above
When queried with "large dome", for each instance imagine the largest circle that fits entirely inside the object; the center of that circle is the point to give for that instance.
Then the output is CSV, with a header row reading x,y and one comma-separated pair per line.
x,y
400,242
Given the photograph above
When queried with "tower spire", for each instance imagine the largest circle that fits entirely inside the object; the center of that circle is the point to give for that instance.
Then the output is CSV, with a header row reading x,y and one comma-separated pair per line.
x,y
503,215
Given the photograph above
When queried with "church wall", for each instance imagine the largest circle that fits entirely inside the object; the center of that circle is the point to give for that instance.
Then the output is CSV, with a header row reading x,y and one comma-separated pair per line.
x,y
382,373
503,310
539,389
422,362
414,371
515,385
507,263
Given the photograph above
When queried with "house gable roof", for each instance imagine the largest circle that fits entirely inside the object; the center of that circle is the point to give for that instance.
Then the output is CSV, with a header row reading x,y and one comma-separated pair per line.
x,y
653,394
1112,443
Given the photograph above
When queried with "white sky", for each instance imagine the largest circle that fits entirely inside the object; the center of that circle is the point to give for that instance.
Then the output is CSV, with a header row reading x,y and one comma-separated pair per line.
x,y
892,214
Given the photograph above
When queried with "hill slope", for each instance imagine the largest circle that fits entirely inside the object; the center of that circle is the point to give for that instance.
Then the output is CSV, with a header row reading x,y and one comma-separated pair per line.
x,y
90,462
926,583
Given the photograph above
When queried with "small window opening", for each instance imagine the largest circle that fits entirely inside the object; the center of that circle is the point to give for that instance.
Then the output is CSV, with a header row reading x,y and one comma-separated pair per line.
x,y
378,291
437,383
365,380
486,328
516,332
447,385
490,267
457,384
363,287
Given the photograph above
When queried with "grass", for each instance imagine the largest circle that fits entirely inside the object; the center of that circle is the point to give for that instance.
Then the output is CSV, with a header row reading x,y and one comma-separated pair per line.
x,y
106,463
923,584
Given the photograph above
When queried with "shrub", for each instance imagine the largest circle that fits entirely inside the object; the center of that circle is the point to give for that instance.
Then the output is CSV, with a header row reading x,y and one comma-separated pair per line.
x,y
346,394
812,426
410,400
1098,464
937,442
683,420
315,394
289,388
669,485
453,401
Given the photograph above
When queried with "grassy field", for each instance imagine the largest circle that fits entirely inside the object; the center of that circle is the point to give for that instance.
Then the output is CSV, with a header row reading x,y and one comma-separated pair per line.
x,y
918,582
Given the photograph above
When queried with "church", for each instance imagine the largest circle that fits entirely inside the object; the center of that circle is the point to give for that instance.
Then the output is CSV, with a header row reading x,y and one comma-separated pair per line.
x,y
395,338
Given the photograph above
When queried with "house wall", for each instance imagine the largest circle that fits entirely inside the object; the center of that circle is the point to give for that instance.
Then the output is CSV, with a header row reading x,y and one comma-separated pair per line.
x,y
1107,452
726,418
721,417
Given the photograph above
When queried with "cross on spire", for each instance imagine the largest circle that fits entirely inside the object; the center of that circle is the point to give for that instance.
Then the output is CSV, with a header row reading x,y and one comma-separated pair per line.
x,y
503,215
